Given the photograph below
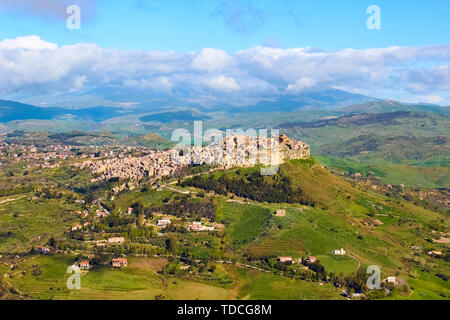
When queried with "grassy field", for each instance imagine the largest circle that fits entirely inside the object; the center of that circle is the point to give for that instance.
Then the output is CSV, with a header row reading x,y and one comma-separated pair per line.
x,y
151,197
138,281
255,285
245,222
437,176
26,223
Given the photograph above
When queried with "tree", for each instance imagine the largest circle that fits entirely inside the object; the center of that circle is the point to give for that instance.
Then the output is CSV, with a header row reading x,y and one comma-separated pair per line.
x,y
141,220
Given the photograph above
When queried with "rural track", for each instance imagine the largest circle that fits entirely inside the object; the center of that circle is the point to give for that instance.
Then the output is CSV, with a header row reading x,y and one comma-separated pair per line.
x,y
356,259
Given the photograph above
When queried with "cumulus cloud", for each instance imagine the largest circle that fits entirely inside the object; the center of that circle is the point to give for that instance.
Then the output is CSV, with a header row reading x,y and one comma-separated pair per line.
x,y
222,83
33,65
28,43
210,59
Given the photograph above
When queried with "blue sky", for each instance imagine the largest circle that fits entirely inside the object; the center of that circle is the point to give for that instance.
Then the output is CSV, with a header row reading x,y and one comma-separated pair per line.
x,y
234,25
247,49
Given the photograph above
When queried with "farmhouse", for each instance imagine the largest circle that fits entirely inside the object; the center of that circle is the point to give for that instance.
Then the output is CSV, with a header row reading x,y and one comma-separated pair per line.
x,y
339,252
119,262
198,227
163,223
391,280
280,213
84,265
285,259
115,240
194,227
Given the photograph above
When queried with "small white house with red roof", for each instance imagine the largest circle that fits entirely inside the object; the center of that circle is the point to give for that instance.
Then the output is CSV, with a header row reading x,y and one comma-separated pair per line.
x,y
119,262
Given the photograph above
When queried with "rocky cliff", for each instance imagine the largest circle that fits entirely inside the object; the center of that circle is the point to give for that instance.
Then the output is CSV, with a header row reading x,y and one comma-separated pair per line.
x,y
290,149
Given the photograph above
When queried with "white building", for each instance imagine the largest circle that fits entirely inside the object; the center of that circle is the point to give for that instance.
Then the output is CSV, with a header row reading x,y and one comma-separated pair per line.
x,y
392,280
163,223
116,240
339,252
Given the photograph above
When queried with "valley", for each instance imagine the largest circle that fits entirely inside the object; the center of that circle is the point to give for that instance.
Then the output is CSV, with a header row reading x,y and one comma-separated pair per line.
x,y
220,238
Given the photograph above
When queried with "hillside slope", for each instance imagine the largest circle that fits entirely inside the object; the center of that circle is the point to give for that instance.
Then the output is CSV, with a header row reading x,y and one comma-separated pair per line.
x,y
377,228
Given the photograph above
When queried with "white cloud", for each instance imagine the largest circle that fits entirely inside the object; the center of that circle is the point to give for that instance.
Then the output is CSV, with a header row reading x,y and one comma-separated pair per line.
x,y
301,84
209,59
31,65
222,83
27,43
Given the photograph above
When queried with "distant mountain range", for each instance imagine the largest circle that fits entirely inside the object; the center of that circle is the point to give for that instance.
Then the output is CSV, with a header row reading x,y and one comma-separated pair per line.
x,y
120,96
12,111
167,110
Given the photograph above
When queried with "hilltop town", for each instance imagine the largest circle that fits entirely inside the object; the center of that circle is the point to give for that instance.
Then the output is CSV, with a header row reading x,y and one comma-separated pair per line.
x,y
236,150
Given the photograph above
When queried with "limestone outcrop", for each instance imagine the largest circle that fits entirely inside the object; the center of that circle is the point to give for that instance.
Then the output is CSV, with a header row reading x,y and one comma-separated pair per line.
x,y
291,149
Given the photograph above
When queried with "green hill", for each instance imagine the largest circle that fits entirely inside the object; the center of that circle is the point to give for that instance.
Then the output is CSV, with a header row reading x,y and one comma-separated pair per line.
x,y
413,141
377,229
